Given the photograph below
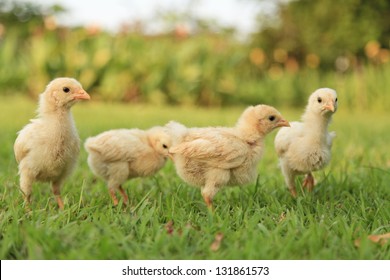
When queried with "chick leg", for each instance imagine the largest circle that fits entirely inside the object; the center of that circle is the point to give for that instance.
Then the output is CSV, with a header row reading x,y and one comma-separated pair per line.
x,y
309,182
208,193
208,200
118,173
113,196
124,195
113,185
289,178
56,186
26,187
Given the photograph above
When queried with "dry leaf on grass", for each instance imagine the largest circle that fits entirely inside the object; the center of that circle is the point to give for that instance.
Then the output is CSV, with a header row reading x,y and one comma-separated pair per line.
x,y
171,230
282,217
376,238
217,242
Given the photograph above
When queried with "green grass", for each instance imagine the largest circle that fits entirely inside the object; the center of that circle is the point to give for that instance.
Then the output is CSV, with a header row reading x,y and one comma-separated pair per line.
x,y
259,221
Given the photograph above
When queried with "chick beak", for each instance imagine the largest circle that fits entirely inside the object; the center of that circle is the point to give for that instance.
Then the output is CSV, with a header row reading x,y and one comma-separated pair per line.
x,y
282,122
81,95
329,107
171,157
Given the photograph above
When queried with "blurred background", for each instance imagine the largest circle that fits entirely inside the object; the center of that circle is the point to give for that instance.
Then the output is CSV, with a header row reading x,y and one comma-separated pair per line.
x,y
203,53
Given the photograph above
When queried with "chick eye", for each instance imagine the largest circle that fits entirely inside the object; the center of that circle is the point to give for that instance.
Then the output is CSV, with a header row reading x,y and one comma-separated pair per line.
x,y
336,99
66,89
271,118
165,146
319,99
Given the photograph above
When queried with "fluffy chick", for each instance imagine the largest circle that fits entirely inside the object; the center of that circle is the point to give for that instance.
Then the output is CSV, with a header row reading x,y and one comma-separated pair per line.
x,y
306,146
122,154
47,148
214,157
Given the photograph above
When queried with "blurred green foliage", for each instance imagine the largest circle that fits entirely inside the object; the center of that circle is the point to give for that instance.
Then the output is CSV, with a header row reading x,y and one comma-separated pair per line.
x,y
327,33
205,68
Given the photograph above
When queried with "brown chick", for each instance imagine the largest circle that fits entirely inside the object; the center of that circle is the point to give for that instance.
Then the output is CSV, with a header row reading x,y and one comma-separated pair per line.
x,y
214,157
47,148
306,146
121,154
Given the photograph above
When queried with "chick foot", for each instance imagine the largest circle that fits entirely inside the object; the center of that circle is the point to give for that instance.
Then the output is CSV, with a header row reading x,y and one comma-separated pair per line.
x,y
56,191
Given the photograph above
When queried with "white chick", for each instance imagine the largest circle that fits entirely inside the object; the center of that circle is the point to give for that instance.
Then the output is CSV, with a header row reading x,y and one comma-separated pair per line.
x,y
214,157
122,154
47,148
306,146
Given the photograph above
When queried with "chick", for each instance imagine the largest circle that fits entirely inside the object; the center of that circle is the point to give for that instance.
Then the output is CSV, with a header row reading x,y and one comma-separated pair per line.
x,y
214,157
306,146
47,148
121,154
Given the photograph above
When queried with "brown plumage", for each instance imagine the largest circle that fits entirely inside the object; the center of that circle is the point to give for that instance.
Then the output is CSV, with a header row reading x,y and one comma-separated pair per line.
x,y
47,148
120,154
214,157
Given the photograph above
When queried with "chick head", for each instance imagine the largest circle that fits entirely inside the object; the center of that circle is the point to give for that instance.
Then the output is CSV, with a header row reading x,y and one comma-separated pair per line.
x,y
64,92
323,101
262,117
160,140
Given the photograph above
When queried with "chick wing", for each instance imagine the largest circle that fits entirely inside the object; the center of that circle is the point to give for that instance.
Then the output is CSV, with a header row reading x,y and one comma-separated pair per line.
x,y
119,146
26,139
213,147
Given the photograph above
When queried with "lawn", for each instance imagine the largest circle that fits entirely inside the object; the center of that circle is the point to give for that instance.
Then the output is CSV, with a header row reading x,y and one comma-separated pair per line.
x,y
167,219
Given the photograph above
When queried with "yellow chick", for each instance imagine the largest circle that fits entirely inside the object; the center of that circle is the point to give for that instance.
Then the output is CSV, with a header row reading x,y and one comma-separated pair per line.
x,y
122,154
306,146
47,148
214,157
